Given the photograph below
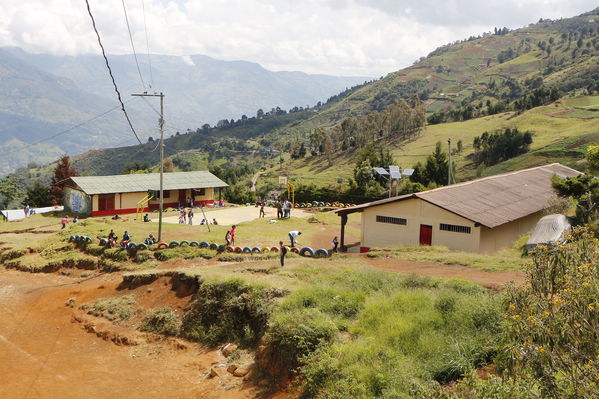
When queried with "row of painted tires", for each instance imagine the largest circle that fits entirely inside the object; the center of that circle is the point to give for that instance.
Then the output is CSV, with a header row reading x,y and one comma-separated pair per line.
x,y
80,238
315,204
305,251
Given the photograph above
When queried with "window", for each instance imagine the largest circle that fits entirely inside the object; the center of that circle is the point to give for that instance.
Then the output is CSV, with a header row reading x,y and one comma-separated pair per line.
x,y
200,191
454,228
389,219
165,193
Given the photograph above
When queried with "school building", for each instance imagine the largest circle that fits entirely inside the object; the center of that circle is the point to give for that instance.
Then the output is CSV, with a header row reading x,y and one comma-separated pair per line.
x,y
110,195
482,215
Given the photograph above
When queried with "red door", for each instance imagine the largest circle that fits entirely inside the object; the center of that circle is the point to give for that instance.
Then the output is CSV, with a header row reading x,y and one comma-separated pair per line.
x,y
426,234
106,202
182,198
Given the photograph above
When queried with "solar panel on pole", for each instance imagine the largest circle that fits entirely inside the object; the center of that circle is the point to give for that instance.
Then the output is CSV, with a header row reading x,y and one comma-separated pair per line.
x,y
394,172
381,171
407,172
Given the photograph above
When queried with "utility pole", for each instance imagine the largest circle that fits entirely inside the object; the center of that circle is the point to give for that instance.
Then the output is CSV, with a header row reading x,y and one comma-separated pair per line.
x,y
449,169
161,125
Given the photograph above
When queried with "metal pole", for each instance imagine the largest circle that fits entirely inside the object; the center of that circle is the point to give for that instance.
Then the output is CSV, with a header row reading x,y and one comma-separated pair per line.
x,y
161,124
449,177
161,166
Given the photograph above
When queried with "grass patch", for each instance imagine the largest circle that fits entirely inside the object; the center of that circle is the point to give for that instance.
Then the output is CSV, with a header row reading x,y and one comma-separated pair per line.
x,y
184,252
115,309
161,321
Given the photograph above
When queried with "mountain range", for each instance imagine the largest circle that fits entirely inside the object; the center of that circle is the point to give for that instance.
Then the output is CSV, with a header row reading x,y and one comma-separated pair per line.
x,y
48,94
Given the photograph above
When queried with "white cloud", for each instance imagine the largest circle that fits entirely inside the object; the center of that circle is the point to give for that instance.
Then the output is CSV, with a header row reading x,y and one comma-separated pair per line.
x,y
348,37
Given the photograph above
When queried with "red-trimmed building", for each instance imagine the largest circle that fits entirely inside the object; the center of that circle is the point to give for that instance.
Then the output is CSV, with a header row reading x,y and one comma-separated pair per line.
x,y
110,195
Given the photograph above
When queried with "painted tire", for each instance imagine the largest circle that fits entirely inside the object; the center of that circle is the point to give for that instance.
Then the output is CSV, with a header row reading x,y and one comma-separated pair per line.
x,y
71,238
162,245
266,249
302,205
204,244
103,242
142,246
294,249
256,250
247,250
221,248
274,249
194,244
305,251
173,244
131,245
230,248
88,239
184,243
238,250
321,253
213,246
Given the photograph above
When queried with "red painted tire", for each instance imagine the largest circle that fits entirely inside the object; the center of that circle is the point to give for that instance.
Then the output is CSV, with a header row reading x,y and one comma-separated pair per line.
x,y
274,249
230,248
162,245
295,249
238,250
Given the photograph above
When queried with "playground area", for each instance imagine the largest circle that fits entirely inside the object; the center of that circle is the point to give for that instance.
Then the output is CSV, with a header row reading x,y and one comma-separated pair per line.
x,y
228,216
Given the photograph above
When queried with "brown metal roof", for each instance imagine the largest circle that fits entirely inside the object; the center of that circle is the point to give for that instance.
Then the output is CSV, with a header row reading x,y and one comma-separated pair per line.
x,y
490,201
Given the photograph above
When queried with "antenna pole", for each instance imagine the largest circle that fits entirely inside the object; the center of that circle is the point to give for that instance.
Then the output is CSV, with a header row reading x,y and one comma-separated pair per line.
x,y
161,125
449,176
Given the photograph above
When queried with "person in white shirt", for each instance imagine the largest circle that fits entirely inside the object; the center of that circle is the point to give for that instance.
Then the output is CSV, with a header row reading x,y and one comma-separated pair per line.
x,y
293,237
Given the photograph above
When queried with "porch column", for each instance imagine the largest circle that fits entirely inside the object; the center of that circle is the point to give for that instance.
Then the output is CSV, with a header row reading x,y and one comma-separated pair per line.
x,y
343,223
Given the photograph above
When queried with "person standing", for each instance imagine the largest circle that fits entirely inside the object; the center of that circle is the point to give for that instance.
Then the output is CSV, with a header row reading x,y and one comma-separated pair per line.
x,y
26,210
233,231
283,252
64,222
335,244
262,213
293,237
228,237
190,216
279,209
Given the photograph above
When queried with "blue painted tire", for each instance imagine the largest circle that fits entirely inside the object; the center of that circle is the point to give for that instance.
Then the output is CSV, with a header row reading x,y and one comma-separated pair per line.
x,y
194,244
88,239
142,246
247,250
103,242
131,245
71,238
322,253
213,246
256,250
184,243
204,244
306,250
173,244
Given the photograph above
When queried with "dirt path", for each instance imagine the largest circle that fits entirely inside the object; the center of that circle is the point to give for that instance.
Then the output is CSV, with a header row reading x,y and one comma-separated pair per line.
x,y
45,354
493,280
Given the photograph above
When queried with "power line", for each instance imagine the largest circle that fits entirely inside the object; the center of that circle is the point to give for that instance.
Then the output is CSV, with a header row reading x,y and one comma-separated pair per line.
x,y
63,131
133,45
116,89
143,7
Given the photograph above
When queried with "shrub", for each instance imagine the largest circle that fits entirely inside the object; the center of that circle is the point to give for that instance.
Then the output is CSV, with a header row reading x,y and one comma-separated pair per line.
x,y
142,256
95,250
11,254
117,254
161,321
228,311
183,252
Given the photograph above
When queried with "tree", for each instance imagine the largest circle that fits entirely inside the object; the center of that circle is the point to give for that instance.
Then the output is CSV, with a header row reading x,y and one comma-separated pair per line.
x,y
9,191
37,195
584,190
592,156
436,168
62,173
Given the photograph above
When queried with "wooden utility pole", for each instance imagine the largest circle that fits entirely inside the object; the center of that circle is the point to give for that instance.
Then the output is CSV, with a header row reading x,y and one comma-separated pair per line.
x,y
161,144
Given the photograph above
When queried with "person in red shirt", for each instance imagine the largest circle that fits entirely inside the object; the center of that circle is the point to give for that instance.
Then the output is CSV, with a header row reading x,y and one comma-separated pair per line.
x,y
233,230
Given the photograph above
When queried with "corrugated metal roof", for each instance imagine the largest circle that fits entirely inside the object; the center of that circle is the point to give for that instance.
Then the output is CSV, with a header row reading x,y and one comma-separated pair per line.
x,y
494,200
146,181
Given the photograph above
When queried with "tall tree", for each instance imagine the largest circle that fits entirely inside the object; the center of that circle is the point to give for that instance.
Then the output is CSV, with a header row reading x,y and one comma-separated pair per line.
x,y
37,195
9,191
584,189
61,174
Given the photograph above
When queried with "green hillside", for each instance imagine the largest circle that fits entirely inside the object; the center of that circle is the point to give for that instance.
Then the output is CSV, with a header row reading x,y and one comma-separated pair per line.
x,y
542,78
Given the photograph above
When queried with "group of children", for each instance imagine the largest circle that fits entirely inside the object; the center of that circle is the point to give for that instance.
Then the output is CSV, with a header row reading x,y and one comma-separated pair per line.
x,y
186,217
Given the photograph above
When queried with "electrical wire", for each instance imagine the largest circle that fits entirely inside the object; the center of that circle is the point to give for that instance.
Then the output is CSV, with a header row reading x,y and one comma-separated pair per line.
x,y
116,89
143,7
64,131
133,45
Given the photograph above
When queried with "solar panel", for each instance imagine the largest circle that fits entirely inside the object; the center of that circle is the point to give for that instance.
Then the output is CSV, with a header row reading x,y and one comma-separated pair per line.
x,y
394,172
381,171
407,172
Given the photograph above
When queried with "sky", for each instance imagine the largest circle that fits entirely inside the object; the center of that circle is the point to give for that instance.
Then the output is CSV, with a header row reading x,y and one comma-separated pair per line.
x,y
338,37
